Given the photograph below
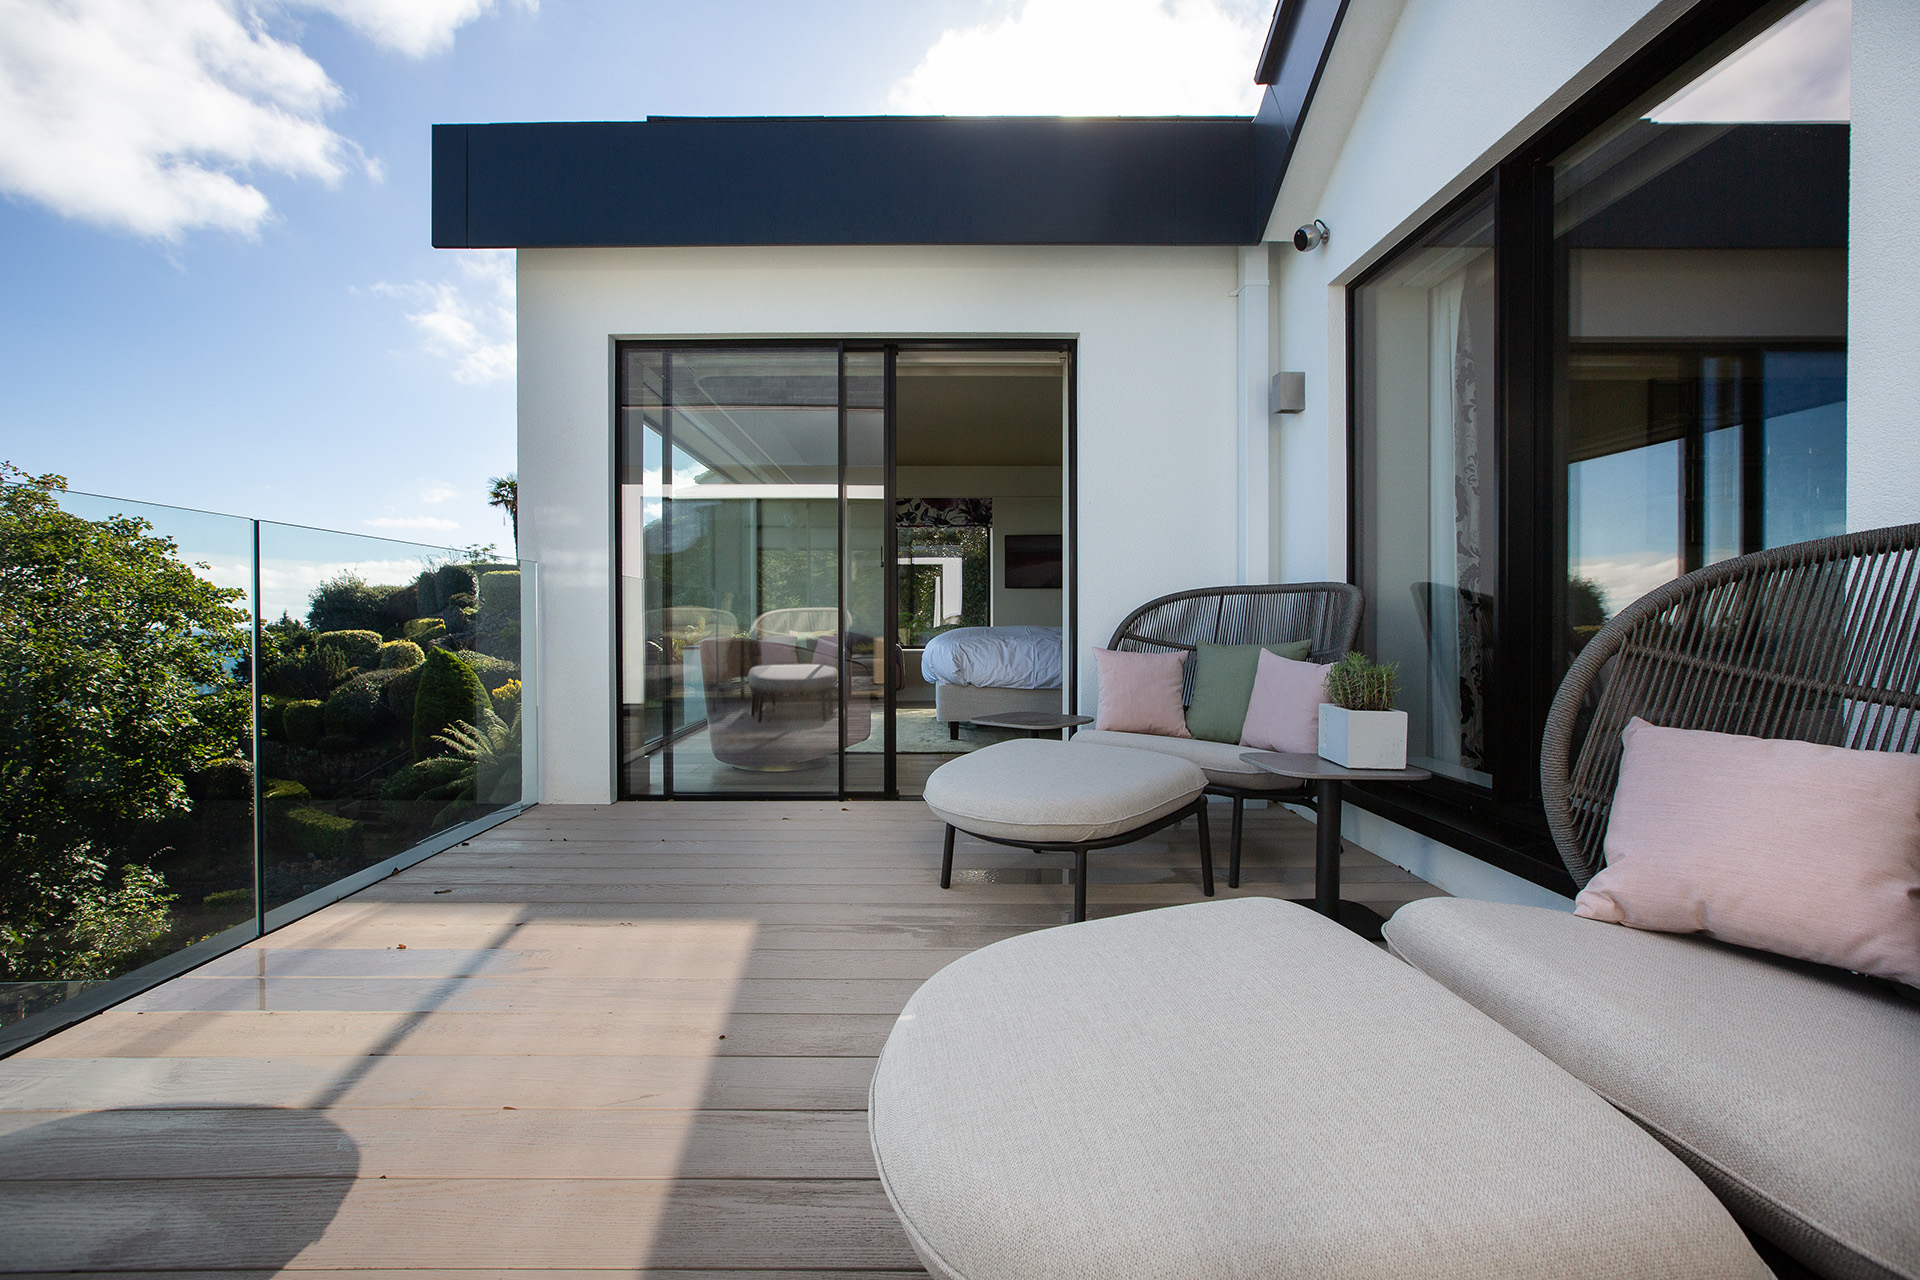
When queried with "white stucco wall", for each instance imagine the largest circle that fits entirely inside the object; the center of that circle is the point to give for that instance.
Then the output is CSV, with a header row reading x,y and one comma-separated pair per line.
x,y
1883,342
1156,332
1419,100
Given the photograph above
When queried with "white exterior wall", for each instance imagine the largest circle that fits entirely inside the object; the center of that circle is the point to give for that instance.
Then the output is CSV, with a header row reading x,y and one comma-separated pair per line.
x,y
1883,338
1156,331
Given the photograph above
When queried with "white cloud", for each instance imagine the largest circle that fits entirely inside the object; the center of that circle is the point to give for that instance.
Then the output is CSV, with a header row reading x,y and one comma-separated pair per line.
x,y
1798,71
469,322
1095,57
411,522
155,116
415,28
437,491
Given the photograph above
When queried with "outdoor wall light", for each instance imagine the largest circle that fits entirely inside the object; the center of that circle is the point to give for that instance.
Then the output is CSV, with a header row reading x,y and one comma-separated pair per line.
x,y
1311,236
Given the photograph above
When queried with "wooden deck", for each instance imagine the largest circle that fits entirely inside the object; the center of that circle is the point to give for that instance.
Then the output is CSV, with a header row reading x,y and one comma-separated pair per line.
x,y
633,1039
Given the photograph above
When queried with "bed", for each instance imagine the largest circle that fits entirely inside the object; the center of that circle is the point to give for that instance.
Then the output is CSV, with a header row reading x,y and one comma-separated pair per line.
x,y
981,671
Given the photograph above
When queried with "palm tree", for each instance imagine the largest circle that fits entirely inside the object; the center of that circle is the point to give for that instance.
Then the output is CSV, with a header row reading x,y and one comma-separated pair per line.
x,y
504,492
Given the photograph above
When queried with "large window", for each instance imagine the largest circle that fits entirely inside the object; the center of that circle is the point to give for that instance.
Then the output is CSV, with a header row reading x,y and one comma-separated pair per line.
x,y
1620,359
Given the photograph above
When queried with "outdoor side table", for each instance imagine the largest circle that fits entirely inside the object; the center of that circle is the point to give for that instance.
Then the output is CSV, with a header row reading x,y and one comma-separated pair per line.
x,y
1327,778
1035,723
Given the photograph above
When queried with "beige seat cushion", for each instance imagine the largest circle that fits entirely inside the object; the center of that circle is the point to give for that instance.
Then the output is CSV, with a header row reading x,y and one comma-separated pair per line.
x,y
1034,789
1793,1090
1094,1101
1219,760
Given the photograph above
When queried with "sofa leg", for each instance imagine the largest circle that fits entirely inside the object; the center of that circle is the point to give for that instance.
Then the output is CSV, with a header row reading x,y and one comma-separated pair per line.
x,y
1233,846
1079,884
953,731
946,861
1206,850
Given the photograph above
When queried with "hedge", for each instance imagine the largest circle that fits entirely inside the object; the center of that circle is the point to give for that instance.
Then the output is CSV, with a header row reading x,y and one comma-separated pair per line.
x,y
496,628
398,655
449,691
493,672
360,648
303,722
323,836
416,780
358,707
423,631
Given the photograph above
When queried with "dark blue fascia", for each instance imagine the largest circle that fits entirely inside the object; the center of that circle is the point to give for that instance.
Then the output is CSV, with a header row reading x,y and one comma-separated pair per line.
x,y
815,181
1295,55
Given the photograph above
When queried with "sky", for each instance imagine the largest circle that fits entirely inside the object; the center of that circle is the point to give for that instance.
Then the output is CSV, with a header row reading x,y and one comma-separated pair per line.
x,y
217,288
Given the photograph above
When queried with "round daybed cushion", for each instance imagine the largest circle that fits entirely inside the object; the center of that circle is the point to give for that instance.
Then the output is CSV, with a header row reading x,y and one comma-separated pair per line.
x,y
1059,792
1097,1101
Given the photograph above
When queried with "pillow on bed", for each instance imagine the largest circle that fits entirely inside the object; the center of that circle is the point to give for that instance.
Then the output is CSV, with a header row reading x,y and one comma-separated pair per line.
x,y
1223,682
1790,847
1140,693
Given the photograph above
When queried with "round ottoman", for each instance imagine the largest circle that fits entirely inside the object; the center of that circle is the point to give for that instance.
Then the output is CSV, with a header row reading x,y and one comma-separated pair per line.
x,y
779,680
1064,797
1096,1101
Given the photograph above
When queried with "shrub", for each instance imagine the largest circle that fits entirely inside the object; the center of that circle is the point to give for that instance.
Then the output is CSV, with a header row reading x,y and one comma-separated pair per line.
x,y
401,603
348,603
360,648
398,655
321,835
416,780
229,898
336,743
304,722
449,692
228,780
424,631
496,628
280,795
506,698
435,589
493,672
358,707
402,686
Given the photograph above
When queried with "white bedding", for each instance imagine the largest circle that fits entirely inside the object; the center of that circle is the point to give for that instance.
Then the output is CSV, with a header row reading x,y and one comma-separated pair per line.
x,y
996,657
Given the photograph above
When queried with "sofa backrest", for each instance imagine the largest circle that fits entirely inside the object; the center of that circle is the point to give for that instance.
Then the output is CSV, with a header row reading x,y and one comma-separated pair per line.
x,y
1818,641
1325,613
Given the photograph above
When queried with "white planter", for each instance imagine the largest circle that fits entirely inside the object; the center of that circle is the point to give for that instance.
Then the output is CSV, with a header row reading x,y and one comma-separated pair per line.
x,y
1363,739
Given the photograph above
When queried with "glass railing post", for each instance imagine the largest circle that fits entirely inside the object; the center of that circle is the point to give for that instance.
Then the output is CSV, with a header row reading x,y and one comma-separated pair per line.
x,y
257,756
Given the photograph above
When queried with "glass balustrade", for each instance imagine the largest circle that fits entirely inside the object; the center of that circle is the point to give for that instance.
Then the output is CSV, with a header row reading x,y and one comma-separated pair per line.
x,y
217,725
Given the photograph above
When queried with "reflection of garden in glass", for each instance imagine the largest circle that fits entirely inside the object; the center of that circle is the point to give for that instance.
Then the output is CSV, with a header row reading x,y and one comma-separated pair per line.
x,y
390,710
921,615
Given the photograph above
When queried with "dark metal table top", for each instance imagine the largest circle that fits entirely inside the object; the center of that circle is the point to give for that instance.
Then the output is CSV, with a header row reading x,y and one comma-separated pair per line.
x,y
1300,764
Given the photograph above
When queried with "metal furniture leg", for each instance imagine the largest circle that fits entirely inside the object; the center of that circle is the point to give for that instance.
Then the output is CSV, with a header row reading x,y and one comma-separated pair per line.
x,y
946,861
1206,847
1233,846
1079,884
1326,850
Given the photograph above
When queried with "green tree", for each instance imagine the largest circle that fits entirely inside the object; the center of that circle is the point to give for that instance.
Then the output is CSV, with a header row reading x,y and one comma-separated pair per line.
x,y
504,492
116,682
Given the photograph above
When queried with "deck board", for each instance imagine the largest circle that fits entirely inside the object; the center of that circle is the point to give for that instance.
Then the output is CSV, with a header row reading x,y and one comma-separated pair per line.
x,y
626,1040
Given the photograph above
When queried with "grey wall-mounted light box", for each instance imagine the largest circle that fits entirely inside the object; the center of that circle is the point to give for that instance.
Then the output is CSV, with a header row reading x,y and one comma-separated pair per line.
x,y
1288,394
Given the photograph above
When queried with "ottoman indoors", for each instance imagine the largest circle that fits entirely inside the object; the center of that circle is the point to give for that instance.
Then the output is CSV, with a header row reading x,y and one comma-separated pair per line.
x,y
1246,1089
1065,797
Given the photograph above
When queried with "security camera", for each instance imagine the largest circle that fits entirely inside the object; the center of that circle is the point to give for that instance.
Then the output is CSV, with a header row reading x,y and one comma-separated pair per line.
x,y
1311,236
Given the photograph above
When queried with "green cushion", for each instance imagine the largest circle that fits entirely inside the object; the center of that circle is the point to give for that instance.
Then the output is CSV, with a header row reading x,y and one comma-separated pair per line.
x,y
1223,683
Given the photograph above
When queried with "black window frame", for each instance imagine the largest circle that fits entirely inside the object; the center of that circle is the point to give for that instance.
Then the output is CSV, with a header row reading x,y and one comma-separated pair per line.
x,y
1505,825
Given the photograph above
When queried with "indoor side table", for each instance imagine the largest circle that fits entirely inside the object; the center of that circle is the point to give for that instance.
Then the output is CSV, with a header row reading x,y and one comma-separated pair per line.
x,y
1035,723
1327,778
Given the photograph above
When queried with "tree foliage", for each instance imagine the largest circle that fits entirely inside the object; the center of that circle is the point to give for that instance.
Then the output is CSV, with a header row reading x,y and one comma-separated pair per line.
x,y
116,682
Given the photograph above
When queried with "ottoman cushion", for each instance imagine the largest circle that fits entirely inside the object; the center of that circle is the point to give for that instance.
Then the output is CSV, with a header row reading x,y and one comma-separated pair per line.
x,y
1033,789
1096,1101
1789,1088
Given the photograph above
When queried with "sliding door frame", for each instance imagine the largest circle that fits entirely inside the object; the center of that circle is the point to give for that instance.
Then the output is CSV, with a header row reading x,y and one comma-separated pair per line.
x,y
890,350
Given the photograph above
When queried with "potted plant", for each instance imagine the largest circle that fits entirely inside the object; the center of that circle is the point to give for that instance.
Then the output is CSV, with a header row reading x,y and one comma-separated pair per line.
x,y
1359,729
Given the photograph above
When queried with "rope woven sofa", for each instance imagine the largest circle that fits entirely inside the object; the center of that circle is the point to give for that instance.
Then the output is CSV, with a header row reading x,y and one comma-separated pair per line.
x,y
1531,1094
1327,614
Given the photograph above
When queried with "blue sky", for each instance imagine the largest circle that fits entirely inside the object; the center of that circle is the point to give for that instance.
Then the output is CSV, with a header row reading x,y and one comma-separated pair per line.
x,y
218,287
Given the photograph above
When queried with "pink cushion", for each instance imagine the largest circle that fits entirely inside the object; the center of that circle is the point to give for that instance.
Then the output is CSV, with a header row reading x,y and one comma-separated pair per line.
x,y
1140,693
1284,712
1790,847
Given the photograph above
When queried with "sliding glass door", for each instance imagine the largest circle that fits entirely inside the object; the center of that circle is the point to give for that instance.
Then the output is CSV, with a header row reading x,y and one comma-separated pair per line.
x,y
753,649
